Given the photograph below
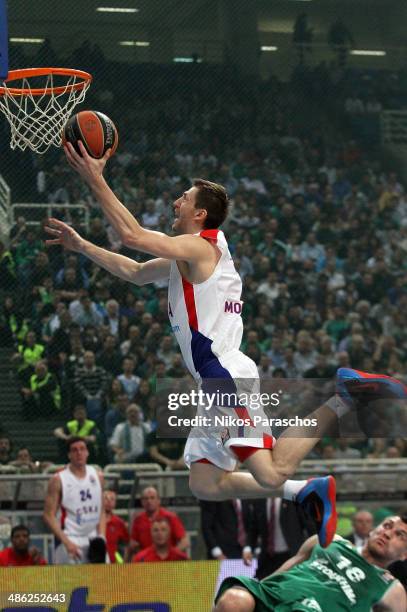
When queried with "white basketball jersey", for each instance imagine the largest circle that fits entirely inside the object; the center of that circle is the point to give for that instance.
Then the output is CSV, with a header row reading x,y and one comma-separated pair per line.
x,y
206,317
81,503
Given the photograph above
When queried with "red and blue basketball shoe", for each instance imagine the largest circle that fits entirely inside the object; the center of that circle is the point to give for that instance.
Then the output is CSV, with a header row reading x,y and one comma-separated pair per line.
x,y
318,499
355,387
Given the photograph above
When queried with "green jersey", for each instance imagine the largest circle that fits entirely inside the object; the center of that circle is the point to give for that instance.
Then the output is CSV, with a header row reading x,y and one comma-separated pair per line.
x,y
333,579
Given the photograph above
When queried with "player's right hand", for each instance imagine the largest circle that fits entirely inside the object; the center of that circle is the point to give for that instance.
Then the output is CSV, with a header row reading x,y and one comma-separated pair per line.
x,y
88,167
73,550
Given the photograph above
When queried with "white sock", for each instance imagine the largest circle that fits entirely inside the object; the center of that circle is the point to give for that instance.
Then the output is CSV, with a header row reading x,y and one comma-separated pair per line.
x,y
337,404
292,487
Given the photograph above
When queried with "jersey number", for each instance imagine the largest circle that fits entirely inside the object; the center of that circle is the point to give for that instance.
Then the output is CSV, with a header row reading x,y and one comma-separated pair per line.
x,y
85,494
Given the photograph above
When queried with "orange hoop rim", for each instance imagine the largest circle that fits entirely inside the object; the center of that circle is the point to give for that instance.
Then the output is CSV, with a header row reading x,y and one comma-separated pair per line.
x,y
26,73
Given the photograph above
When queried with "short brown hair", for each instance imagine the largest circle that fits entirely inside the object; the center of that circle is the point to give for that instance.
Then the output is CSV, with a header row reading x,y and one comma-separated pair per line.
x,y
161,519
74,440
214,199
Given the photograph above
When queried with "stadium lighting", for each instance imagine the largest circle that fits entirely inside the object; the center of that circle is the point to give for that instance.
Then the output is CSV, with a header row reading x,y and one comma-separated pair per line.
x,y
116,9
27,40
367,52
268,48
134,43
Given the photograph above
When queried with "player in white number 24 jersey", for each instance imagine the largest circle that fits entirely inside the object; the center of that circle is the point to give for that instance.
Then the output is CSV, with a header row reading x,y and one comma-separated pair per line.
x,y
74,508
205,314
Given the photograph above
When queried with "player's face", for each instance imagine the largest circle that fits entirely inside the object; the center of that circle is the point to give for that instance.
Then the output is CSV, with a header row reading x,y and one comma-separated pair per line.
x,y
388,542
78,454
185,212
160,533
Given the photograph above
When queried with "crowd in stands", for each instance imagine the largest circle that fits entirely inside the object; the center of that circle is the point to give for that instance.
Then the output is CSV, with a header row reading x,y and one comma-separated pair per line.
x,y
317,229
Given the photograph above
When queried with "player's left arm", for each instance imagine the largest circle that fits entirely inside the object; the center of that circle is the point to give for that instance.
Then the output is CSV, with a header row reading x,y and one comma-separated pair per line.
x,y
101,528
131,233
303,554
395,600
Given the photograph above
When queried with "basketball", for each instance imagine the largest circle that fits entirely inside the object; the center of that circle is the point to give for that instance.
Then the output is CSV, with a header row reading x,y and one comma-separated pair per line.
x,y
97,132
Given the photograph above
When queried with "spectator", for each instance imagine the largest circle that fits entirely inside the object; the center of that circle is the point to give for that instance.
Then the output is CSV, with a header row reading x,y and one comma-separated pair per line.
x,y
20,553
39,270
128,441
345,450
43,395
5,450
69,285
26,463
80,426
305,355
168,452
76,354
18,231
165,352
160,549
84,312
276,352
362,523
143,395
128,379
289,366
265,368
112,318
132,344
13,326
151,216
8,277
73,262
224,528
321,369
311,250
109,358
26,251
29,352
116,413
116,528
140,534
97,233
91,383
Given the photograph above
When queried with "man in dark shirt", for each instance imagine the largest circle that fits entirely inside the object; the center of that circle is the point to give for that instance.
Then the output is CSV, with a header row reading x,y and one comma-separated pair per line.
x,y
166,451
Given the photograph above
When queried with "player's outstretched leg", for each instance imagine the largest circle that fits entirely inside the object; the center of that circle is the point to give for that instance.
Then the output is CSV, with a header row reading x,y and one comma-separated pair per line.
x,y
272,470
355,386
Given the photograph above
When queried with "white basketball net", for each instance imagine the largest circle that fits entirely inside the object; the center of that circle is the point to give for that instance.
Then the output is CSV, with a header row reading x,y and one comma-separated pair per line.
x,y
37,121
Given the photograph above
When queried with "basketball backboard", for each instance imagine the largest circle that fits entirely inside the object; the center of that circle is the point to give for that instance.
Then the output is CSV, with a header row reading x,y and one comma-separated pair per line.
x,y
3,40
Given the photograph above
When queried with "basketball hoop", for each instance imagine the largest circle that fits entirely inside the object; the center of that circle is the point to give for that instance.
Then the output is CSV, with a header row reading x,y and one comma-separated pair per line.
x,y
38,108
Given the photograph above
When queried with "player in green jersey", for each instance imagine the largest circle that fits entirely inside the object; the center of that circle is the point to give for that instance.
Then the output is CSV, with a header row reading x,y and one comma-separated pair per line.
x,y
333,579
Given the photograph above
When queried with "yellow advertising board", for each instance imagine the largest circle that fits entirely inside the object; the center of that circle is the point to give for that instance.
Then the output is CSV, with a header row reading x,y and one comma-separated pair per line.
x,y
151,587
